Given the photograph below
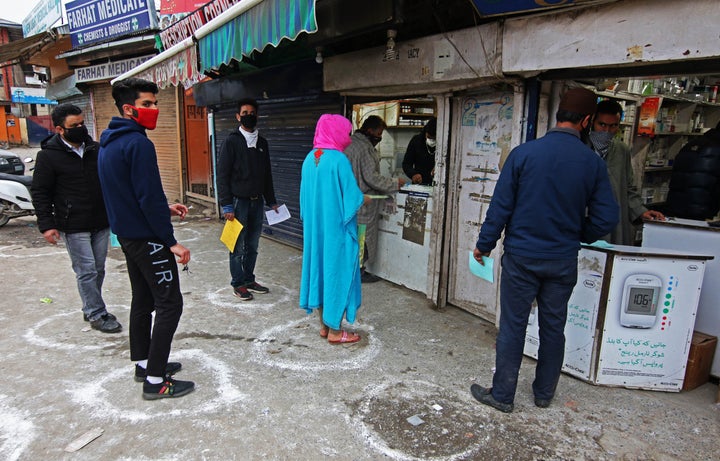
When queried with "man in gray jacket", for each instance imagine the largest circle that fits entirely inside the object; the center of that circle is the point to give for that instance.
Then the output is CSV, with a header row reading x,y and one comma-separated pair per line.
x,y
366,167
616,154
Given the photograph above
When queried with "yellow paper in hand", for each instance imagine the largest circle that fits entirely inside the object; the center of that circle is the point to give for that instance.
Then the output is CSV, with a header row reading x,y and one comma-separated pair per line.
x,y
230,233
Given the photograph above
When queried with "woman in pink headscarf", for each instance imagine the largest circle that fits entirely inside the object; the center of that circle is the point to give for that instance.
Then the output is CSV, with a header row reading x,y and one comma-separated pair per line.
x,y
329,202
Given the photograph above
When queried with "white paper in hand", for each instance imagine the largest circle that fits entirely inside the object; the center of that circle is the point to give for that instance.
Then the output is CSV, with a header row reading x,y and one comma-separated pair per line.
x,y
282,215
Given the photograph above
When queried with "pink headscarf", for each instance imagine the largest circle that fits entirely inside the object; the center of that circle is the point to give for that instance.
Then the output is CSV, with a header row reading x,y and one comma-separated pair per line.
x,y
332,132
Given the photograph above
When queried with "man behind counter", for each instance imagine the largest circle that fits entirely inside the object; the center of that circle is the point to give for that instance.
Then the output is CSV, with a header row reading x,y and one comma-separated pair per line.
x,y
616,154
419,161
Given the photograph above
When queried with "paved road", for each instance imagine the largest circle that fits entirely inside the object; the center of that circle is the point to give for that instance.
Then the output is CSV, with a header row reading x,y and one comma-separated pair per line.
x,y
268,387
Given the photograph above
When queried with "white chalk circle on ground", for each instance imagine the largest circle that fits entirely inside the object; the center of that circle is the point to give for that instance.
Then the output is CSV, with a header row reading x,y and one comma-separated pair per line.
x,y
224,297
445,429
16,430
94,395
108,339
294,346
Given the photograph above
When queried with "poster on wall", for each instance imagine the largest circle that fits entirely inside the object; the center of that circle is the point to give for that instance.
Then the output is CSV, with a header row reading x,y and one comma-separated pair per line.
x,y
649,321
415,218
582,313
484,136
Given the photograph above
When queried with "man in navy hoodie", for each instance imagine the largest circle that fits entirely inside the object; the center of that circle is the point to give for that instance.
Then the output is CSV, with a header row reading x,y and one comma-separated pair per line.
x,y
552,194
140,216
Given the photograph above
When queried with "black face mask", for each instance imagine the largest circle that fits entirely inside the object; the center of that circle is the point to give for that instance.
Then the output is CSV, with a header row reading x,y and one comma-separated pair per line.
x,y
248,121
76,135
374,140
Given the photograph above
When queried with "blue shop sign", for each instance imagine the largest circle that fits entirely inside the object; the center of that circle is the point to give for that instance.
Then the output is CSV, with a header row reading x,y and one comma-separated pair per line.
x,y
30,96
494,7
92,21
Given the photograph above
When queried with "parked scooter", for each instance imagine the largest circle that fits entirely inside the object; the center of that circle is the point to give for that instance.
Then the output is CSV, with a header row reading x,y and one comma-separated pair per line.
x,y
15,200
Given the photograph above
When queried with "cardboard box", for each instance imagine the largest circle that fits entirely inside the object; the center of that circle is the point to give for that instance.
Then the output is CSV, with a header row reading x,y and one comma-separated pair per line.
x,y
702,351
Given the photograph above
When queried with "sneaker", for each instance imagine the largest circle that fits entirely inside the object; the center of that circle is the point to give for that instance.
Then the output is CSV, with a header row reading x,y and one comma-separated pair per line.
x,y
110,316
257,288
170,369
542,403
484,395
167,389
106,324
242,293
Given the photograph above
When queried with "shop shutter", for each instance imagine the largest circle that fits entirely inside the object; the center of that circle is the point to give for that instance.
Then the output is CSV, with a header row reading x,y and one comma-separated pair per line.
x,y
83,101
165,137
103,106
289,126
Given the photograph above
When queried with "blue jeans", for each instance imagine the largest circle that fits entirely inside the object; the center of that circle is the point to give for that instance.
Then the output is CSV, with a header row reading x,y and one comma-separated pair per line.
x,y
88,251
242,261
551,283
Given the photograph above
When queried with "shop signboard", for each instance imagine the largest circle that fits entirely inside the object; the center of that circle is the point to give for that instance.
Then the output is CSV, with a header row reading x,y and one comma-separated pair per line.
x,y
496,7
92,21
185,27
30,96
42,17
180,6
108,70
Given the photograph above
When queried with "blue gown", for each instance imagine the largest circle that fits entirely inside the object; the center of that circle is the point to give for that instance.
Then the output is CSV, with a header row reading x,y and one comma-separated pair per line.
x,y
329,201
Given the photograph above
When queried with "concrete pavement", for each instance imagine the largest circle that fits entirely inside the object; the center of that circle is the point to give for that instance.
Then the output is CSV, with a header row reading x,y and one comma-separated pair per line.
x,y
268,387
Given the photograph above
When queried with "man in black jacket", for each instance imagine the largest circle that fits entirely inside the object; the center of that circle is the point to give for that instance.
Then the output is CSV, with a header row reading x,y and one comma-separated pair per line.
x,y
419,161
244,179
69,204
695,182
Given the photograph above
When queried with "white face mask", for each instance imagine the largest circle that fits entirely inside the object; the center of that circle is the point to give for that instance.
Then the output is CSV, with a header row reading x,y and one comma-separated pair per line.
x,y
430,142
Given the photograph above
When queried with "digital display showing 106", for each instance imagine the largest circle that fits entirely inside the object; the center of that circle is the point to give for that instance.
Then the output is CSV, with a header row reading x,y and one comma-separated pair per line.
x,y
641,301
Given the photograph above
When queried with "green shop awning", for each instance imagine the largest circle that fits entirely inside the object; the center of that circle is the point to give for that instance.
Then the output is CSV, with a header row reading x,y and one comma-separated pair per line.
x,y
264,24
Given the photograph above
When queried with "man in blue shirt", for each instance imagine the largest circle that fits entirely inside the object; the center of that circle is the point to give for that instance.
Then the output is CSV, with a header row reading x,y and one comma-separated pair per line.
x,y
552,194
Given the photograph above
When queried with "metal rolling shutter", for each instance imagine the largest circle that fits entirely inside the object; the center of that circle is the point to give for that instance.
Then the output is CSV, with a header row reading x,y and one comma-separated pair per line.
x,y
289,126
83,101
166,136
103,106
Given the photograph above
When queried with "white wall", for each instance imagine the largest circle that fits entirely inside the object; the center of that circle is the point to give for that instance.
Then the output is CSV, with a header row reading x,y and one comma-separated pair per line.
x,y
431,64
620,33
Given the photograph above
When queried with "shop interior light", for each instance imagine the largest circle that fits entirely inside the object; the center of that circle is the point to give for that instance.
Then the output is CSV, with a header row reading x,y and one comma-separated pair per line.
x,y
318,55
390,53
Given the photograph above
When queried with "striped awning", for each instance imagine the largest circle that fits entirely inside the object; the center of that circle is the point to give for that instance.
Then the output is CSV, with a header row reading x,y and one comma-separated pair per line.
x,y
246,26
264,24
178,69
